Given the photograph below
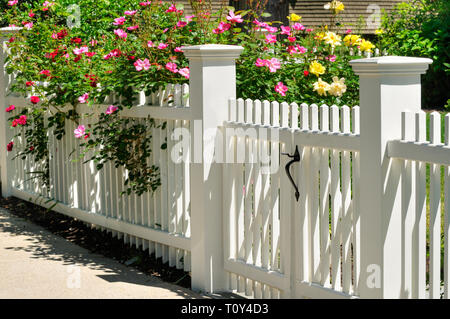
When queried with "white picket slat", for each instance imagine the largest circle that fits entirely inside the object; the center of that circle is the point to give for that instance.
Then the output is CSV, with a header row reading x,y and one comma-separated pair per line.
x,y
356,239
435,211
447,214
346,205
324,202
419,233
335,206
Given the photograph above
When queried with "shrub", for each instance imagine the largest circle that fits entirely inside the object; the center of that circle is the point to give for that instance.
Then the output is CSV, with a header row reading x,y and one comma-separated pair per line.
x,y
86,52
422,29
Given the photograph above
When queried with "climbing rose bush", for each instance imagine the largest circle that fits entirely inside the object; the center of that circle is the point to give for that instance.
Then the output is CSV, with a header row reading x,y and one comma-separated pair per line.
x,y
132,46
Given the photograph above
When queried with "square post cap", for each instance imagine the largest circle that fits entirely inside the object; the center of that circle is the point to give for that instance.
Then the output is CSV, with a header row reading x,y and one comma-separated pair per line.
x,y
390,65
212,52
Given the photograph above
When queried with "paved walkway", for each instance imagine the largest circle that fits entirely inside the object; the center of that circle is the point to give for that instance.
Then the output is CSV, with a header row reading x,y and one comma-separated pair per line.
x,y
35,263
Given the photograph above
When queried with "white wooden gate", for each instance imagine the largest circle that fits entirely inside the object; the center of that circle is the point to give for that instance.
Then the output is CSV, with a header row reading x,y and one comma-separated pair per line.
x,y
276,246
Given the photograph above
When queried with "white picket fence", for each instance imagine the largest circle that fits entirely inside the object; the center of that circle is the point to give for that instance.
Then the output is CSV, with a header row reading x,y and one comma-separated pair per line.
x,y
158,222
359,228
418,151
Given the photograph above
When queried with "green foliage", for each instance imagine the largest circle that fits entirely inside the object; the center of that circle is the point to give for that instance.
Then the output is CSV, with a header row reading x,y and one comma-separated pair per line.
x,y
125,142
75,49
422,29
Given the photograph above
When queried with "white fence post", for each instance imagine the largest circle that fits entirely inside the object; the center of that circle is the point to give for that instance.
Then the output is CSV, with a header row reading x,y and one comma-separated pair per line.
x,y
212,82
388,86
6,134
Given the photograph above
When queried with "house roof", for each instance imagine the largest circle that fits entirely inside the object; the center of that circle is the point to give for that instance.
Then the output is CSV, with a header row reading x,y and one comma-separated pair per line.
x,y
314,15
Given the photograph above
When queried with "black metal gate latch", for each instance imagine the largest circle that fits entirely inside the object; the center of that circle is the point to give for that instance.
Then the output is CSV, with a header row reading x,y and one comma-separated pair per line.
x,y
295,158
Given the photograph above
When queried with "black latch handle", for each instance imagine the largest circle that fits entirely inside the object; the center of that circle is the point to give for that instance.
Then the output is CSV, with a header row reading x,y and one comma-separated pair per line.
x,y
295,158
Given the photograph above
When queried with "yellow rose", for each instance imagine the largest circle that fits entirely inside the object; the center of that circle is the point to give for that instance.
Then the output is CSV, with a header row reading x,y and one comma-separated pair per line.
x,y
366,46
379,31
294,18
332,39
339,7
335,6
316,68
321,87
351,40
320,35
338,87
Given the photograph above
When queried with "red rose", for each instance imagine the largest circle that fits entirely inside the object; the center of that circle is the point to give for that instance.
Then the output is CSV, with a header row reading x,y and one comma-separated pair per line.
x,y
9,147
45,72
31,148
61,34
29,83
306,73
35,99
75,40
22,120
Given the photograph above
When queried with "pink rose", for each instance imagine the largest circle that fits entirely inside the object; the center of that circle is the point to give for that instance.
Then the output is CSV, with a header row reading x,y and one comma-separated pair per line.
x,y
273,65
234,18
27,25
142,64
302,49
298,27
120,33
162,46
189,18
10,108
285,30
271,38
172,67
119,21
78,51
111,109
281,88
83,98
260,62
184,72
271,29
80,131
222,27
